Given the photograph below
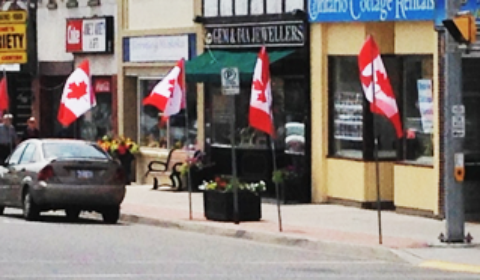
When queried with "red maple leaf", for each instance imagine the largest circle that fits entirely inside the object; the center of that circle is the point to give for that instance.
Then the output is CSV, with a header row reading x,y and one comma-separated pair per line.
x,y
77,91
383,82
258,85
171,87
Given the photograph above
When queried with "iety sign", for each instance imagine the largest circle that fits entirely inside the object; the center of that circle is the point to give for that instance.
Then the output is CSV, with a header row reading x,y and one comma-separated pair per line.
x,y
92,35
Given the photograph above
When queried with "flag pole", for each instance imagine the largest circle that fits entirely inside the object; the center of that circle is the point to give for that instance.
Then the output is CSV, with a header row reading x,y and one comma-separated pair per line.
x,y
189,176
375,152
277,189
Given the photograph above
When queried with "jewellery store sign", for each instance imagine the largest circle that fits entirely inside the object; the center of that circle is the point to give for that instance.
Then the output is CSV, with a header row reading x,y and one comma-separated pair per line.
x,y
279,34
13,37
370,10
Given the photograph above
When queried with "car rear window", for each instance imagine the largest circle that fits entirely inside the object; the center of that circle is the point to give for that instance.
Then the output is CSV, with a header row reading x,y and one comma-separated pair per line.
x,y
72,150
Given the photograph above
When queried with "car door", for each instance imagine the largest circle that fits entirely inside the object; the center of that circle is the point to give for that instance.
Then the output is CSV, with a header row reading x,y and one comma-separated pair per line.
x,y
3,186
11,176
24,172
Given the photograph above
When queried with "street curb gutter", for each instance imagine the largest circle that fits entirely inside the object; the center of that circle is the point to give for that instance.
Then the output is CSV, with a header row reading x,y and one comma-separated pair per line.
x,y
328,247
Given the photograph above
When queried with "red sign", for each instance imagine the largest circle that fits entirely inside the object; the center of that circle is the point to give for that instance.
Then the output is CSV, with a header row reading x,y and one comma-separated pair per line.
x,y
102,85
74,35
90,35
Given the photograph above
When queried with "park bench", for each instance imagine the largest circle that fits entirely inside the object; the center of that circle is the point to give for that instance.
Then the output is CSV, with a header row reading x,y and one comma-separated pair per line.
x,y
169,168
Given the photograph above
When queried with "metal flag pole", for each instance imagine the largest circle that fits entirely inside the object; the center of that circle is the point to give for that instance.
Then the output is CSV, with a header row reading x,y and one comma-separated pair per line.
x,y
189,176
236,214
375,152
277,189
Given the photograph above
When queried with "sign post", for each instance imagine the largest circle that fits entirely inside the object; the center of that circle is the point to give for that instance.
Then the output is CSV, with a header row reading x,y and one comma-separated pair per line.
x,y
453,134
231,86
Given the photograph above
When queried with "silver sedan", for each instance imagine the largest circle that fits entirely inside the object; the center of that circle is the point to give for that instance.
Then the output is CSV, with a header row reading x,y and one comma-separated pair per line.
x,y
62,174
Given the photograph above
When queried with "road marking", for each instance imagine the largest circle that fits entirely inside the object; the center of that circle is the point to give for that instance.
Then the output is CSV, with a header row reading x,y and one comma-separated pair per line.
x,y
457,267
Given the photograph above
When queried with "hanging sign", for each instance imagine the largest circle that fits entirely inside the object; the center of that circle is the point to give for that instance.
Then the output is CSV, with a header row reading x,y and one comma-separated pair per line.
x,y
230,81
13,37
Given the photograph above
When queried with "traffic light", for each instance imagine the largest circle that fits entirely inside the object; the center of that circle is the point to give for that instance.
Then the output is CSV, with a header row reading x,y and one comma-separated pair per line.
x,y
463,28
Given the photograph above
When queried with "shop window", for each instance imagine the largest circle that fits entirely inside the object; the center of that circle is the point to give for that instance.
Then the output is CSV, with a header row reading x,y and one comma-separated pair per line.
x,y
288,114
418,109
353,126
154,133
97,122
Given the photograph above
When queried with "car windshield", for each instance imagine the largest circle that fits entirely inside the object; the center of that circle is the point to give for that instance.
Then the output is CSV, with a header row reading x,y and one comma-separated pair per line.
x,y
73,150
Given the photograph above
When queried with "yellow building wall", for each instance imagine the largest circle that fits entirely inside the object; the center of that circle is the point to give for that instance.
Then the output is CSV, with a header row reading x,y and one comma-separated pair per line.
x,y
155,14
416,188
329,177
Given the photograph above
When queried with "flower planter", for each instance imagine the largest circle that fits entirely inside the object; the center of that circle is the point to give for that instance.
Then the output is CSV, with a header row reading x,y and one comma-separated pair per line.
x,y
218,206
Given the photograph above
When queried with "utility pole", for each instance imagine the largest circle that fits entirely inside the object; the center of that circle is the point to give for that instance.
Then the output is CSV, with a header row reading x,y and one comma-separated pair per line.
x,y
453,112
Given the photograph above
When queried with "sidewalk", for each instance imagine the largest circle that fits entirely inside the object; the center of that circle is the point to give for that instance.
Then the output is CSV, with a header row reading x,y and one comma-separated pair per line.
x,y
330,228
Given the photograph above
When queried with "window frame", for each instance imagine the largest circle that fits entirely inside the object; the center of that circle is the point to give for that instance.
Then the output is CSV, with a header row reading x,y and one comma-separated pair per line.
x,y
368,144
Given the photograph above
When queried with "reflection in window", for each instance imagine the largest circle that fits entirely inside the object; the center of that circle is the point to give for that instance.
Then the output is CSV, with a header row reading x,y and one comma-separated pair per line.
x,y
348,102
155,133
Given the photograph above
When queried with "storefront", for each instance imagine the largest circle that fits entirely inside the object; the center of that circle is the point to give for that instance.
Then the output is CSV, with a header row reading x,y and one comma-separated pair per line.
x,y
82,37
342,124
234,42
150,46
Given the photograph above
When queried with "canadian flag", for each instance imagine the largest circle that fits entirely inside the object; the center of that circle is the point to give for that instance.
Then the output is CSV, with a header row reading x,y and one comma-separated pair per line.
x,y
4,100
260,116
376,85
77,97
168,95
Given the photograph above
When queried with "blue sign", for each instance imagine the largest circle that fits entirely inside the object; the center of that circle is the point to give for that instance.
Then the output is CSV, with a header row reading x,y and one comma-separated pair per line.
x,y
370,10
472,6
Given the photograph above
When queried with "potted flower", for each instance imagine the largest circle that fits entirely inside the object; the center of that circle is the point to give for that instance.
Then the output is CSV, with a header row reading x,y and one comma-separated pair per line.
x,y
290,179
218,199
121,148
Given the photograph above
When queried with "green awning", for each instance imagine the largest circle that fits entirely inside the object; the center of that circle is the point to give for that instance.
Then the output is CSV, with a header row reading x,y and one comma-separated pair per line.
x,y
208,66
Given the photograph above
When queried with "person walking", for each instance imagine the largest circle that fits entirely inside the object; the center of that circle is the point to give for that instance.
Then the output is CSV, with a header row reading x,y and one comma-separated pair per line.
x,y
31,131
8,137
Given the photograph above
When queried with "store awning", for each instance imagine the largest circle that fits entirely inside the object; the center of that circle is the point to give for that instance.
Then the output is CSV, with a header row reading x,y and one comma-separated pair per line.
x,y
208,66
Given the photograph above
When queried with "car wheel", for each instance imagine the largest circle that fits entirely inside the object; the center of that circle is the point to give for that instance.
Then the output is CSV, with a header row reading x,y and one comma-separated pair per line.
x,y
2,208
111,215
72,214
30,209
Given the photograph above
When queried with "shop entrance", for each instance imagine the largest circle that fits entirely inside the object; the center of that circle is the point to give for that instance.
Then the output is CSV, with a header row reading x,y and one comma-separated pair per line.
x,y
471,100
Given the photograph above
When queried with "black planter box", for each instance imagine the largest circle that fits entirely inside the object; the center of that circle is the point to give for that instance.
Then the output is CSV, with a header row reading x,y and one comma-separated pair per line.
x,y
218,206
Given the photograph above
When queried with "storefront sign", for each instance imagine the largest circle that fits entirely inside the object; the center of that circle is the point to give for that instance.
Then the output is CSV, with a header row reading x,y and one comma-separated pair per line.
x,y
102,85
425,104
13,37
157,48
280,34
94,35
370,10
472,6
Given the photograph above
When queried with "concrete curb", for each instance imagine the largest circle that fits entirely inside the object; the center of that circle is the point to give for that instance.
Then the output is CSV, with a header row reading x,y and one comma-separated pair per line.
x,y
328,247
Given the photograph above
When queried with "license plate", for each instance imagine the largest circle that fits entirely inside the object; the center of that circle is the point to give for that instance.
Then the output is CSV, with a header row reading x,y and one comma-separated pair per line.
x,y
84,174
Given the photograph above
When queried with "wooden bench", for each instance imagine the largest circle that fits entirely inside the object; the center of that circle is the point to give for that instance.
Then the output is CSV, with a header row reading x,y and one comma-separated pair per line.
x,y
170,167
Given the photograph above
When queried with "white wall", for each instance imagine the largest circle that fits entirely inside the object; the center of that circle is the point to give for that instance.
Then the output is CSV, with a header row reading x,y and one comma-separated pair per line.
x,y
51,25
153,14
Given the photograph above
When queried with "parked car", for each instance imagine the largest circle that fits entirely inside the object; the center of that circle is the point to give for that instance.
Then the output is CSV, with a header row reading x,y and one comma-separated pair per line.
x,y
62,174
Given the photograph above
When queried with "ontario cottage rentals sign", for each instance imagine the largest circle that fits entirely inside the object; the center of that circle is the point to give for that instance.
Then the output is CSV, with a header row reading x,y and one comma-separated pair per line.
x,y
280,34
370,10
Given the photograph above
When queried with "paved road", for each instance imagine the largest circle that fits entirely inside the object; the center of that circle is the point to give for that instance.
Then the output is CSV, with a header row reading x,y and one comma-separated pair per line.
x,y
88,249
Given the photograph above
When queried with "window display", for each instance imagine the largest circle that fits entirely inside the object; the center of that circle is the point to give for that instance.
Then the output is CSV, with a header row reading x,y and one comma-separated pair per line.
x,y
154,132
353,125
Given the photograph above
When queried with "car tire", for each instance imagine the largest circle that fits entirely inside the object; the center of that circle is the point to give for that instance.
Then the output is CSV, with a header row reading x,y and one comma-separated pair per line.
x,y
2,208
111,215
30,209
72,214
